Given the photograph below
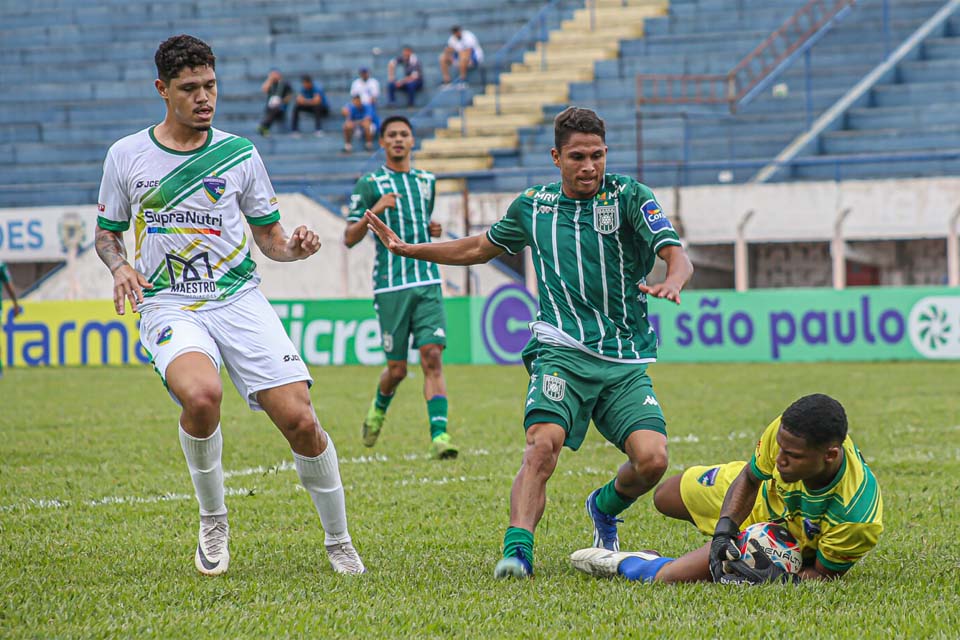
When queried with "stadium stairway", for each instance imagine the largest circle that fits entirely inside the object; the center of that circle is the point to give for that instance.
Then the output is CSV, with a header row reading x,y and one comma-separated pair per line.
x,y
543,76
54,136
711,36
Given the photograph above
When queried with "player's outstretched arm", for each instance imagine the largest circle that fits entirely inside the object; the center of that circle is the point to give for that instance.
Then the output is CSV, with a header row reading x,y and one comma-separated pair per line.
x,y
679,272
128,283
464,251
276,245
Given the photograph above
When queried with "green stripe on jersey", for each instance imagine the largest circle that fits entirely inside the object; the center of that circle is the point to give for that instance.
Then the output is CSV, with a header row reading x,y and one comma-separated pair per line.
x,y
589,256
410,220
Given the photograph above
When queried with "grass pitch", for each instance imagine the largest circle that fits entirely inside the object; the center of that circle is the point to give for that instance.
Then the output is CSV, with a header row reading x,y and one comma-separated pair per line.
x,y
98,522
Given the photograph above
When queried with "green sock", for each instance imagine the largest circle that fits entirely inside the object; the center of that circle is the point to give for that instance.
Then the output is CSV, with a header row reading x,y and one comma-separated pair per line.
x,y
437,410
517,538
612,502
383,401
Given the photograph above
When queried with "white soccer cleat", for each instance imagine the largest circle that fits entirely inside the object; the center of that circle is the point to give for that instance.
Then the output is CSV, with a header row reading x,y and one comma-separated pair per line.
x,y
604,563
212,557
345,559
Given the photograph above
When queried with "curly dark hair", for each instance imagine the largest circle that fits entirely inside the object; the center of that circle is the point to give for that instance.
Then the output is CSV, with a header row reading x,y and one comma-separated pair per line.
x,y
818,419
576,120
179,52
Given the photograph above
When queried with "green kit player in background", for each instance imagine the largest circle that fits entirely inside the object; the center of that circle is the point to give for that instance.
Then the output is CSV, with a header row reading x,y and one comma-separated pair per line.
x,y
595,236
7,282
406,292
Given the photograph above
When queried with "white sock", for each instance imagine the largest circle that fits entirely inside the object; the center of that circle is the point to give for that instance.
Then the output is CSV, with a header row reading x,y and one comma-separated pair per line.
x,y
321,478
203,460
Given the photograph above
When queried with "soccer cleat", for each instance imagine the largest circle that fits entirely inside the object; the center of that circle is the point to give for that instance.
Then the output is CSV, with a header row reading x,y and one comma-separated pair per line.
x,y
516,566
345,559
604,525
372,424
212,557
442,449
603,563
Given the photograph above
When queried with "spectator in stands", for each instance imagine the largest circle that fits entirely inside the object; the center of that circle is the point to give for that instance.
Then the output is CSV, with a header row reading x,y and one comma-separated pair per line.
x,y
357,115
313,100
464,48
412,79
367,87
7,283
279,93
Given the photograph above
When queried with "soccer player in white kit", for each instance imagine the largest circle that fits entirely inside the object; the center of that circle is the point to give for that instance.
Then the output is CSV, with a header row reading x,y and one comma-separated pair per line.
x,y
187,188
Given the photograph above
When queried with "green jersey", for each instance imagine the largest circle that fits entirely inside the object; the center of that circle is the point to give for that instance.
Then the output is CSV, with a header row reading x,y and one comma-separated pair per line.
x,y
589,256
415,191
4,277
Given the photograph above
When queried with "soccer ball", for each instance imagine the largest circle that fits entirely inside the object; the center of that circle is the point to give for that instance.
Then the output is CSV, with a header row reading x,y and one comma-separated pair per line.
x,y
778,543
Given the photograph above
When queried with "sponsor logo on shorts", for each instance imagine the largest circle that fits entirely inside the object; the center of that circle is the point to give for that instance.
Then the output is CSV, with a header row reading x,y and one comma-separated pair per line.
x,y
709,477
810,528
387,341
654,216
440,333
554,387
164,335
650,400
101,207
291,358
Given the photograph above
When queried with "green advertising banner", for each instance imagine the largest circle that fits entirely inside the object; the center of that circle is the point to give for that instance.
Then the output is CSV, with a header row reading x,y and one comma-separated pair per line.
x,y
786,325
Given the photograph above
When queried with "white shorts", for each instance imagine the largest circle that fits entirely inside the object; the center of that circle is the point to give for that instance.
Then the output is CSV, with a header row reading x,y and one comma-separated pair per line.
x,y
245,335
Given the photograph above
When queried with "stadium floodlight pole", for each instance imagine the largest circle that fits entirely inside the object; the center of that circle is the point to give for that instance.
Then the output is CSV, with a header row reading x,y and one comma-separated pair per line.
x,y
953,251
740,258
838,250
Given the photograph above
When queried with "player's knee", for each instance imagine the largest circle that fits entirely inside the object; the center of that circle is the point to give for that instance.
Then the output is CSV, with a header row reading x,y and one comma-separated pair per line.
x,y
397,370
201,398
651,465
541,456
431,360
302,427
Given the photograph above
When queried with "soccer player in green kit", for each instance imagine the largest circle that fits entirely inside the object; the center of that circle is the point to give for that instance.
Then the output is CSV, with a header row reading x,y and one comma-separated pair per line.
x,y
595,236
406,292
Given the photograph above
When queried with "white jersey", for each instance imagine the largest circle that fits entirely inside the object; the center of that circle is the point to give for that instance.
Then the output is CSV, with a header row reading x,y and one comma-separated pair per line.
x,y
467,40
188,210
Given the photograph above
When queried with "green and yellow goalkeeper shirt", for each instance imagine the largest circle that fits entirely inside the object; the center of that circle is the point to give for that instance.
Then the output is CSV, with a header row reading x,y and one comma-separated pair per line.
x,y
841,521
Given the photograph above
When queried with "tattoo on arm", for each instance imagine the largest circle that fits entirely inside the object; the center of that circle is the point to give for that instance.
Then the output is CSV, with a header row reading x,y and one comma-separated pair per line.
x,y
110,248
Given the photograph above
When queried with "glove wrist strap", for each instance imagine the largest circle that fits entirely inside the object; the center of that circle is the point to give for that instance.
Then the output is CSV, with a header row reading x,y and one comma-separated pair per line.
x,y
726,527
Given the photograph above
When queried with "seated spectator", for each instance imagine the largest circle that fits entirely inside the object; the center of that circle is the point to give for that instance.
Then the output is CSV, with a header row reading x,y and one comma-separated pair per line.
x,y
366,87
464,48
279,93
357,115
412,79
312,100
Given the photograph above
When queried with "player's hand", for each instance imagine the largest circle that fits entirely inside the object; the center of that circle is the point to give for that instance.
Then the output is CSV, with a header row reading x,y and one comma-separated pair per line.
x,y
435,229
762,571
303,243
128,284
724,547
662,290
386,201
390,240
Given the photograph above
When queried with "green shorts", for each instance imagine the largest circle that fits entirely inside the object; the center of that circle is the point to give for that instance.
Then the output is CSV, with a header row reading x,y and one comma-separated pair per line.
x,y
416,311
569,387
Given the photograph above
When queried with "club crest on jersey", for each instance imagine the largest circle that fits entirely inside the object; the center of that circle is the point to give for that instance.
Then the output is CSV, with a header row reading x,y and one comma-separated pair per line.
x,y
606,216
214,187
554,387
654,216
424,186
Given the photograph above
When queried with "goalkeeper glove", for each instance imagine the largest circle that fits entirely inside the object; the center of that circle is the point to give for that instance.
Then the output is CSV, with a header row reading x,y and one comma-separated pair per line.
x,y
762,571
723,548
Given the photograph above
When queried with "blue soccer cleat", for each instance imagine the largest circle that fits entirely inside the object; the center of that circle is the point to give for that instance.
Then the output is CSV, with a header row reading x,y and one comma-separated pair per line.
x,y
516,566
604,525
